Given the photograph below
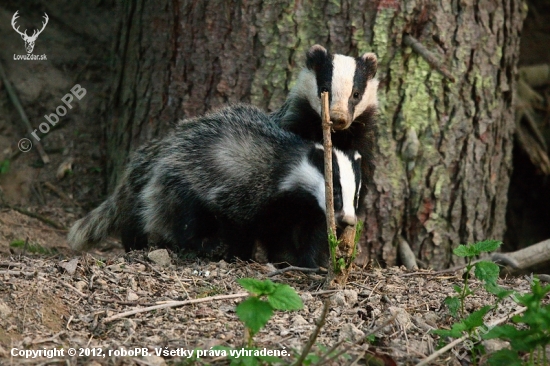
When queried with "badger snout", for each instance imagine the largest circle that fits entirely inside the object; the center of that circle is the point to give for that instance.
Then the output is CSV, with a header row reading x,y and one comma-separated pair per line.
x,y
340,120
343,220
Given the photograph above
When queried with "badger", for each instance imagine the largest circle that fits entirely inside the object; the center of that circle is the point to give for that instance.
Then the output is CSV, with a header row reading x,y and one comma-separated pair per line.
x,y
232,177
352,88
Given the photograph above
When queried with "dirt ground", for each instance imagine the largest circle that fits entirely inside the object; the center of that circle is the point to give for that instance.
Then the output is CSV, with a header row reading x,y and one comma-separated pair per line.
x,y
52,298
66,302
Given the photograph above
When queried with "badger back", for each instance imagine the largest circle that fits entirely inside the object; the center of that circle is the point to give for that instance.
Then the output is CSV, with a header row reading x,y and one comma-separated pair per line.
x,y
233,159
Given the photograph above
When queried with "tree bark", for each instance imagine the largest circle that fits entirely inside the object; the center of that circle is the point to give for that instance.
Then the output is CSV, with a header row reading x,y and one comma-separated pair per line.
x,y
444,149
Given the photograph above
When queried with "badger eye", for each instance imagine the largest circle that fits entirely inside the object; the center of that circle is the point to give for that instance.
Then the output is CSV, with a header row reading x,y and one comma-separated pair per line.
x,y
356,95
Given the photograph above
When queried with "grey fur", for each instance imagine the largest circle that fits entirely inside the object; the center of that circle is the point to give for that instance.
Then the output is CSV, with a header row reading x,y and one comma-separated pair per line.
x,y
216,175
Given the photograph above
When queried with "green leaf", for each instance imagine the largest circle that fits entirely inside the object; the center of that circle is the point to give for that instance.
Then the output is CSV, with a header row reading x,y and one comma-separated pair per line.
x,y
475,319
457,289
285,297
254,313
271,359
505,331
487,271
504,357
454,332
358,231
487,246
465,251
453,303
257,287
498,291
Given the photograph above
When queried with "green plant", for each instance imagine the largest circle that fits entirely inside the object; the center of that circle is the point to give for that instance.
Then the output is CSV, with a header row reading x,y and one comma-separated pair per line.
x,y
468,325
255,312
340,264
4,166
31,247
532,337
484,271
333,245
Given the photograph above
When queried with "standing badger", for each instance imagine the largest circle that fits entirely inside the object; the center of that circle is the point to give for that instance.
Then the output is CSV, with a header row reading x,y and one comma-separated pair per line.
x,y
352,88
231,176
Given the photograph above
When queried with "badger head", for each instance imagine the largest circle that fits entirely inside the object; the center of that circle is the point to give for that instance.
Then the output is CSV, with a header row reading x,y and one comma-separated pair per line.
x,y
351,84
308,175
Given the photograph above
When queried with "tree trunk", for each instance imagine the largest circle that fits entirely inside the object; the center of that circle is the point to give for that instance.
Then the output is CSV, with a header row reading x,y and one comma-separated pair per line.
x,y
444,149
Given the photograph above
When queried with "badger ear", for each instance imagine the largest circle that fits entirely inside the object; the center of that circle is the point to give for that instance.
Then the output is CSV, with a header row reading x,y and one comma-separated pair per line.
x,y
316,57
371,64
357,156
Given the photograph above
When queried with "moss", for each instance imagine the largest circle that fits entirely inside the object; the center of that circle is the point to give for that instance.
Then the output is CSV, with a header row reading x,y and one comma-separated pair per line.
x,y
382,32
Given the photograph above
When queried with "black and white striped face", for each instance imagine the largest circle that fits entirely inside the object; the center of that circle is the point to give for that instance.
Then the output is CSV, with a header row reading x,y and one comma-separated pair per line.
x,y
347,183
350,81
346,171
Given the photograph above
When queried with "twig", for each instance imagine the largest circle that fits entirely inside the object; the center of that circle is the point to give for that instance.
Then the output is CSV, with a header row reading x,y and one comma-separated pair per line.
x,y
443,271
292,268
60,193
320,323
441,351
130,303
49,339
324,357
36,216
11,264
382,326
72,288
13,96
174,304
329,189
335,357
428,56
162,275
327,144
323,292
17,273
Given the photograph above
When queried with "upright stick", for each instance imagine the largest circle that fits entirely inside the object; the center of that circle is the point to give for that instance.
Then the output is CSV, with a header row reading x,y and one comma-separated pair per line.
x,y
327,144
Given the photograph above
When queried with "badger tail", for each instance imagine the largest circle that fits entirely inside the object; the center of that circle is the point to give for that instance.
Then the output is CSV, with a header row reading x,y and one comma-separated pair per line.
x,y
96,226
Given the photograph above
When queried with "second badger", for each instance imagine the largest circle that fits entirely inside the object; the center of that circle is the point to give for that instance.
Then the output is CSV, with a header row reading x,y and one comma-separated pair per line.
x,y
232,175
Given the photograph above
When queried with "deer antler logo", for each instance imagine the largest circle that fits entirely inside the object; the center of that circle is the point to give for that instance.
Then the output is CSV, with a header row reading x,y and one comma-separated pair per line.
x,y
29,40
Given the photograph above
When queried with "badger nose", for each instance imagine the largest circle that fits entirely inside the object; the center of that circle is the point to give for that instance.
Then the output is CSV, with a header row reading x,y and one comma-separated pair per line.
x,y
339,120
346,220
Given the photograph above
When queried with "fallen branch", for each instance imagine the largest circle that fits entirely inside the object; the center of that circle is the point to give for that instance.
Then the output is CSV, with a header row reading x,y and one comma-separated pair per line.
x,y
120,302
81,294
174,304
527,257
18,273
15,100
60,193
301,269
36,216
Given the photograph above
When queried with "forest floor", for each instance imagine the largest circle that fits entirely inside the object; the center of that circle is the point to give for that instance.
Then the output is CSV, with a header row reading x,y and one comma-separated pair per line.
x,y
66,301
53,298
